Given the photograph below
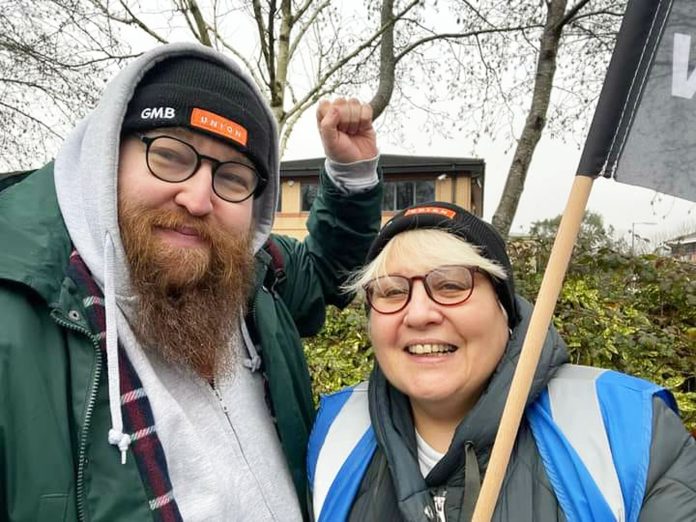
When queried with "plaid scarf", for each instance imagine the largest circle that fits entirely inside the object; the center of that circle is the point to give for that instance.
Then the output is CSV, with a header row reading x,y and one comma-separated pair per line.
x,y
138,420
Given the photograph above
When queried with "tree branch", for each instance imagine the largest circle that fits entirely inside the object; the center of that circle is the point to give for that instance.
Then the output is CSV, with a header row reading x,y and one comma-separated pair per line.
x,y
32,118
348,57
201,25
263,34
272,46
572,12
240,57
387,62
301,11
305,26
460,36
134,20
596,13
478,14
292,117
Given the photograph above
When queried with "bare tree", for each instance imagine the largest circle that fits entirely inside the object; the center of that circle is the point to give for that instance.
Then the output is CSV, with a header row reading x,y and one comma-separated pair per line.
x,y
587,30
301,50
548,56
296,51
468,65
53,58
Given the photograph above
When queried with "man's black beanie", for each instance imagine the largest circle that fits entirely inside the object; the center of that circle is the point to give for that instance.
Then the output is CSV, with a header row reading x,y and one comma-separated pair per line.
x,y
205,96
457,221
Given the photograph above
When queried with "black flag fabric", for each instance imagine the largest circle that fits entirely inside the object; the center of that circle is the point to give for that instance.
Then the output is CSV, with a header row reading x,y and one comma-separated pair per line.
x,y
644,128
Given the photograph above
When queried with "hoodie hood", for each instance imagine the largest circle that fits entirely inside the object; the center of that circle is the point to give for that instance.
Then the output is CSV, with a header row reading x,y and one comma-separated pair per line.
x,y
87,164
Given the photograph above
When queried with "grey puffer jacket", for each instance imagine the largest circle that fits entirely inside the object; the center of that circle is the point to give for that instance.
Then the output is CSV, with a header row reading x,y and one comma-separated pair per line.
x,y
393,488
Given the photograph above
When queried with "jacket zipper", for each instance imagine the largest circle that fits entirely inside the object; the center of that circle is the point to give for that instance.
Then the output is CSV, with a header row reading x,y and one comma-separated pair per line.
x,y
223,405
226,411
439,500
79,487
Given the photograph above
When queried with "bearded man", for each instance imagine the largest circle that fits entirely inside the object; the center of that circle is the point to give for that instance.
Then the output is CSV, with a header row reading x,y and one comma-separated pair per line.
x,y
151,366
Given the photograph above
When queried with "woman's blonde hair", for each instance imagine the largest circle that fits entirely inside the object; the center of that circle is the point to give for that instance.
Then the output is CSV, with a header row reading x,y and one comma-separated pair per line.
x,y
424,249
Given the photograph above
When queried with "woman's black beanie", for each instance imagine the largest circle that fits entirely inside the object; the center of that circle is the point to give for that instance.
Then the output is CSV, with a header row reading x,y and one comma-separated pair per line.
x,y
457,221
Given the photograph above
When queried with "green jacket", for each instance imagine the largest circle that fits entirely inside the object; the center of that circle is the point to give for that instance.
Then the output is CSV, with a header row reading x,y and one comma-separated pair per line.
x,y
55,463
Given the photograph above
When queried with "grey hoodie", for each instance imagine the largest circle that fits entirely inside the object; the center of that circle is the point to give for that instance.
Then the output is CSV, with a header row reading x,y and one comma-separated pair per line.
x,y
223,454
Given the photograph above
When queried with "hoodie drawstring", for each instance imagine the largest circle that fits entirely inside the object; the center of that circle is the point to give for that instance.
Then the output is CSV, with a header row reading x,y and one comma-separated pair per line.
x,y
116,435
253,363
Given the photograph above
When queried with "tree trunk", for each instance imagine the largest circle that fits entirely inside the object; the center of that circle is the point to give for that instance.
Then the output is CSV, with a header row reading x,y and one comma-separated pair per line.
x,y
201,29
536,118
387,64
280,77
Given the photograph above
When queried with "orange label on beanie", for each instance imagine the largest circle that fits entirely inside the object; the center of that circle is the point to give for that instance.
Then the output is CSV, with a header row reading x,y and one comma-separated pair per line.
x,y
431,210
215,123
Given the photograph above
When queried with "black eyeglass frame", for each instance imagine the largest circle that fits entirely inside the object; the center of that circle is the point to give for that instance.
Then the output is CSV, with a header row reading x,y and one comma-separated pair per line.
x,y
473,270
260,181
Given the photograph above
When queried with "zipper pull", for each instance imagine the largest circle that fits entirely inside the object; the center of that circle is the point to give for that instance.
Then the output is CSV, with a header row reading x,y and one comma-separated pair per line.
x,y
220,399
439,501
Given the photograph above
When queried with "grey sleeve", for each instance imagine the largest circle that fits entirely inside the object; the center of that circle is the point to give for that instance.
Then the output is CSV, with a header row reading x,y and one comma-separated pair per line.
x,y
670,493
358,176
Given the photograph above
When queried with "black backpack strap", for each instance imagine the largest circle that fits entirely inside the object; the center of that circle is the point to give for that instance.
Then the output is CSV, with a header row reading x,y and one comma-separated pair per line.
x,y
9,179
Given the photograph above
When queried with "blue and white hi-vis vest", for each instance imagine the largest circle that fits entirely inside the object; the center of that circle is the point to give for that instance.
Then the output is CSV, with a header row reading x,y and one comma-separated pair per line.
x,y
592,427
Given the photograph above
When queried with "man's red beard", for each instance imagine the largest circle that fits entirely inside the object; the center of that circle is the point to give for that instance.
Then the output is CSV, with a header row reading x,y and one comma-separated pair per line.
x,y
189,299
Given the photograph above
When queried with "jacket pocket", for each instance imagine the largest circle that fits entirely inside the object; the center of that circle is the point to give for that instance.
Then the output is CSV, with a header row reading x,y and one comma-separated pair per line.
x,y
52,507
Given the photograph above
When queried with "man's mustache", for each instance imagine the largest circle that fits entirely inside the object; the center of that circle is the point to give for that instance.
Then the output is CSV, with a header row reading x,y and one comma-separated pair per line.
x,y
170,219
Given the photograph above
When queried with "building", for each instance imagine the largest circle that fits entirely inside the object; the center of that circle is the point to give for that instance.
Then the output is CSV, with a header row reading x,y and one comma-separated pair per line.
x,y
407,180
683,247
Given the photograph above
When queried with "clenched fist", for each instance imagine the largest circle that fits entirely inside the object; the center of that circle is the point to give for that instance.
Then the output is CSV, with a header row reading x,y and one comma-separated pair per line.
x,y
346,130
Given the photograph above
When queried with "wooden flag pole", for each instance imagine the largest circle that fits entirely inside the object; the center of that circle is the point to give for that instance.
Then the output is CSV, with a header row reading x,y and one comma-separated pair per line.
x,y
531,349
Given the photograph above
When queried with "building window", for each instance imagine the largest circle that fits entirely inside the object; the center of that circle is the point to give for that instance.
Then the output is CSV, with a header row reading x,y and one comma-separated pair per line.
x,y
398,195
401,194
308,191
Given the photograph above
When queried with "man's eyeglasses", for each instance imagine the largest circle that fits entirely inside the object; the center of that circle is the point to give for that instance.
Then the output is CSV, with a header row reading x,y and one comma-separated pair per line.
x,y
445,285
174,161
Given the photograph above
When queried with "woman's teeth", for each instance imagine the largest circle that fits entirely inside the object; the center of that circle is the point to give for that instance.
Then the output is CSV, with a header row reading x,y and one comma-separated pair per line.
x,y
426,349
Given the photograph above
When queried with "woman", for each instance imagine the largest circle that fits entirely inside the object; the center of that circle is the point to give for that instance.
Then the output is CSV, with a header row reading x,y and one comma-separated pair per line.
x,y
447,328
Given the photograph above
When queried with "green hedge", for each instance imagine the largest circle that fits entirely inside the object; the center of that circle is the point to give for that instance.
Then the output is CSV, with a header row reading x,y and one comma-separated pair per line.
x,y
341,354
633,314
